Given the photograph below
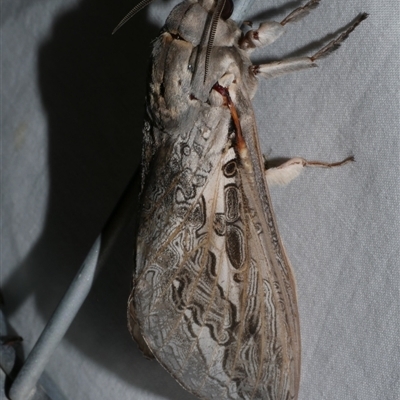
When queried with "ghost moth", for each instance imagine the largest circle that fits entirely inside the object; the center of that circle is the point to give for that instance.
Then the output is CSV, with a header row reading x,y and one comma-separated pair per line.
x,y
214,295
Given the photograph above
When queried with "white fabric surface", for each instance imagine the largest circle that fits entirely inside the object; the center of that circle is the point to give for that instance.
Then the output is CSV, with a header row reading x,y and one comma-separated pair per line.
x,y
72,107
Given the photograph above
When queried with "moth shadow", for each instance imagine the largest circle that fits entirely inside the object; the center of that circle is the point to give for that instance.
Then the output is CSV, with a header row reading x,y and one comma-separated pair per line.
x,y
92,89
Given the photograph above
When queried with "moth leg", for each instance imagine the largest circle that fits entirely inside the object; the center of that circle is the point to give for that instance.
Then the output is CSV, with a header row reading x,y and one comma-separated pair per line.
x,y
292,168
278,68
269,31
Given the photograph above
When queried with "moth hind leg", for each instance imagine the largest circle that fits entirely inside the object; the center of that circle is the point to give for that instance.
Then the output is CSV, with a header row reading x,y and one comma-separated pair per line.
x,y
292,168
277,68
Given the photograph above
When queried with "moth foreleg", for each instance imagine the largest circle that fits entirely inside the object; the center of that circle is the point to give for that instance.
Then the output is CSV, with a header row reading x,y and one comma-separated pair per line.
x,y
268,32
335,44
292,168
300,12
277,68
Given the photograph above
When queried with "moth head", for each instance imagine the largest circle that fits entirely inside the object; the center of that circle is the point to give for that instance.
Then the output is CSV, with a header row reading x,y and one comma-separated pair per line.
x,y
218,10
225,6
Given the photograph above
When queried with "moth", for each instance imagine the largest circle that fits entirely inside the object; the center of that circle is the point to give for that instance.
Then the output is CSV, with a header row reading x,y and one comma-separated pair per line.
x,y
214,295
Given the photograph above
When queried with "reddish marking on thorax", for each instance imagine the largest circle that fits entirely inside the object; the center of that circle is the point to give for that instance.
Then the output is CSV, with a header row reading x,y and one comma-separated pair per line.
x,y
224,92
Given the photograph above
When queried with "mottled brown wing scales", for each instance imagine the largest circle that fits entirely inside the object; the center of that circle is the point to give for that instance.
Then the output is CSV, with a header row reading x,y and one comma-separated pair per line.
x,y
207,302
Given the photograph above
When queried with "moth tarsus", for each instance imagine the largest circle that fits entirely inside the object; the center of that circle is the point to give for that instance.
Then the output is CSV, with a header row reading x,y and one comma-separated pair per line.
x,y
214,295
335,44
300,12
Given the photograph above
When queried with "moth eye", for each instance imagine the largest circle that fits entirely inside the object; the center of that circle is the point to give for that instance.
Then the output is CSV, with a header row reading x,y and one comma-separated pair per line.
x,y
230,168
227,10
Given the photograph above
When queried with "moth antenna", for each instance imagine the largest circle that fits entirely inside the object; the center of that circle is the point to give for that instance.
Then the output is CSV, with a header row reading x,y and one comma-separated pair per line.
x,y
214,24
131,13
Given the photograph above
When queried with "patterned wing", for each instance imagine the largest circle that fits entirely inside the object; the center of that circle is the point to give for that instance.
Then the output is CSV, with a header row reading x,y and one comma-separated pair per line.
x,y
214,296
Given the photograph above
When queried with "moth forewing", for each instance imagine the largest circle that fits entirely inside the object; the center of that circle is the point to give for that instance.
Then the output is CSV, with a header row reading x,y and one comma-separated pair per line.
x,y
214,296
273,262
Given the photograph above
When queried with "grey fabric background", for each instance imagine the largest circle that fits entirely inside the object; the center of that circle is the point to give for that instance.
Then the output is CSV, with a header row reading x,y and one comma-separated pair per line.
x,y
72,107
